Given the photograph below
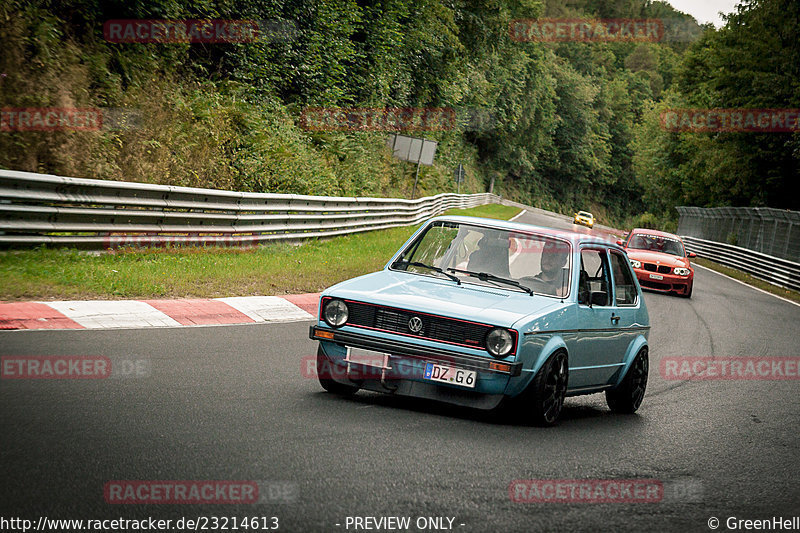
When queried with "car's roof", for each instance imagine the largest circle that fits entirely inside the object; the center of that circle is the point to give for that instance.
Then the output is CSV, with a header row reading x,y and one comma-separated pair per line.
x,y
572,236
584,213
655,232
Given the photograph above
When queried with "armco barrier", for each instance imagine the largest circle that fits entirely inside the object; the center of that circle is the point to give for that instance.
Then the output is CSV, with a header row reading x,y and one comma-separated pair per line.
x,y
775,232
45,209
775,270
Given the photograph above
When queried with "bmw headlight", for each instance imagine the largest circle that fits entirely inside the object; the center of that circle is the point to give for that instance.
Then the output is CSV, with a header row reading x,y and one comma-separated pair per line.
x,y
499,342
635,263
335,313
682,271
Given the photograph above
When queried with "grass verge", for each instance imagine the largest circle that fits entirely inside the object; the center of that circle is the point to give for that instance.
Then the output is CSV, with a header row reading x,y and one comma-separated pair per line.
x,y
750,280
273,269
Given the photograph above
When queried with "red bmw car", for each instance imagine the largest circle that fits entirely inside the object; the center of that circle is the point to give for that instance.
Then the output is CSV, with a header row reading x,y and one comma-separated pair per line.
x,y
660,261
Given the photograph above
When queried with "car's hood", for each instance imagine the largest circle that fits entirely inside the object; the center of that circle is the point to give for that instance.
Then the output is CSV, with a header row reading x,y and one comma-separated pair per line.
x,y
647,256
427,294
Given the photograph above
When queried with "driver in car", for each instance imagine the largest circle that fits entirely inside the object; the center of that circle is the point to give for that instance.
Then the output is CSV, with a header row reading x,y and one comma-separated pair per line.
x,y
554,273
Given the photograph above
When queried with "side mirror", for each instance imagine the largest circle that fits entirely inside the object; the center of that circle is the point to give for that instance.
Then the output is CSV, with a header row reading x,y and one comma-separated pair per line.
x,y
691,254
599,298
621,243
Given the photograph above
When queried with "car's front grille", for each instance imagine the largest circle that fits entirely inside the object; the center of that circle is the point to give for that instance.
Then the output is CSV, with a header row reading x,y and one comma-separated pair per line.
x,y
392,320
361,315
661,269
433,327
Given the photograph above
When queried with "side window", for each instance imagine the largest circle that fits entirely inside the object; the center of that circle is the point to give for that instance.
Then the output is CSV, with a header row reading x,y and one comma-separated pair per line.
x,y
594,284
624,286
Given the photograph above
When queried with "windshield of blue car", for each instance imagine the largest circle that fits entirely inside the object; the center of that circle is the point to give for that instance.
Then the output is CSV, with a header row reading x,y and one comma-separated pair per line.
x,y
478,255
656,243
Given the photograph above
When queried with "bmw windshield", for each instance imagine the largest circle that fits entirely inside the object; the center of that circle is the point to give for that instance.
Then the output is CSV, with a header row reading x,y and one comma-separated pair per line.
x,y
656,243
507,259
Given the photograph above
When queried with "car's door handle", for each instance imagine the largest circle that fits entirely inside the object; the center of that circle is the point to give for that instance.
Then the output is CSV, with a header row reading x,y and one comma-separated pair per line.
x,y
614,318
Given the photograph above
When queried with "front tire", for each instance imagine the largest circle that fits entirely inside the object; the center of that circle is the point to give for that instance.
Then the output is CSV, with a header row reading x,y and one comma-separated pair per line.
x,y
325,371
543,400
628,396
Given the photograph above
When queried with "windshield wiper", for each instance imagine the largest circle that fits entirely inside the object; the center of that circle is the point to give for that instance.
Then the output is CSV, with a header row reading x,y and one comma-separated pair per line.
x,y
485,276
429,267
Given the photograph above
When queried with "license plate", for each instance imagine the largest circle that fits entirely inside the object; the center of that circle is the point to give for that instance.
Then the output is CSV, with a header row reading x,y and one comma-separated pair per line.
x,y
451,375
656,276
365,357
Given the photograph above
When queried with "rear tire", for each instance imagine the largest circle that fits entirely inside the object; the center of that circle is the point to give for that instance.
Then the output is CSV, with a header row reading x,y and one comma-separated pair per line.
x,y
628,396
324,373
542,401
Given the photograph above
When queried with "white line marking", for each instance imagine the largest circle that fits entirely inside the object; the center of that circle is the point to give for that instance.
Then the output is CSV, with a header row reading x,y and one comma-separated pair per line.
x,y
267,308
98,314
746,284
515,217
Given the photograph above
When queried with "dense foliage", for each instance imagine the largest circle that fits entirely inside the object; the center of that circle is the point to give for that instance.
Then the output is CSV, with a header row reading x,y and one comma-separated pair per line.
x,y
751,63
573,125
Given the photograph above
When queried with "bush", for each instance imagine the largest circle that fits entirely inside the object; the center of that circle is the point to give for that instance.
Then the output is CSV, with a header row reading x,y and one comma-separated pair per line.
x,y
652,221
647,220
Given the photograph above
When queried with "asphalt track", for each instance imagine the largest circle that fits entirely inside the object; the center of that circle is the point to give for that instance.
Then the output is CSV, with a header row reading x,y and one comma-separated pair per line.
x,y
231,403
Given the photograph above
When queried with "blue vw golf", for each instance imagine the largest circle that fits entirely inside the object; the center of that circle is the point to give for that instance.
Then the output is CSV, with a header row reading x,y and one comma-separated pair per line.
x,y
487,314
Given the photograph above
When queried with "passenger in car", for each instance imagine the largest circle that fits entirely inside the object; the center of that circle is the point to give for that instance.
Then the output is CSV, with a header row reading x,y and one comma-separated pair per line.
x,y
491,256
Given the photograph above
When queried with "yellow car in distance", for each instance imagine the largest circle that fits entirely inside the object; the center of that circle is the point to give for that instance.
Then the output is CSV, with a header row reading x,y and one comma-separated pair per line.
x,y
584,219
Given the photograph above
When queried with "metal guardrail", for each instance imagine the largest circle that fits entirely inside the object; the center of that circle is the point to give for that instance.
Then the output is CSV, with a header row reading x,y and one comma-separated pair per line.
x,y
775,232
780,272
53,210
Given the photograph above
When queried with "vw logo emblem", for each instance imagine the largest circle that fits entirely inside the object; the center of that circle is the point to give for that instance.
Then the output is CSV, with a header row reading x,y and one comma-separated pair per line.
x,y
415,324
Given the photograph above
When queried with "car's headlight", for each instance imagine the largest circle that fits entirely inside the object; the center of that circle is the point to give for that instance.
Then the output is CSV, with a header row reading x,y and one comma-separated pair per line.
x,y
682,271
499,342
335,313
635,263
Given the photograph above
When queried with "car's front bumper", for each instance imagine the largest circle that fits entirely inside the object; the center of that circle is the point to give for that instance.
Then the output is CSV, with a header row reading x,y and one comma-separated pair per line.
x,y
667,283
413,351
402,368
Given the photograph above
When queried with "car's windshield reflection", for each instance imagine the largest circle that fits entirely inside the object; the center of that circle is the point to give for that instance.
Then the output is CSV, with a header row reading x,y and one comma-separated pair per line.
x,y
493,257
